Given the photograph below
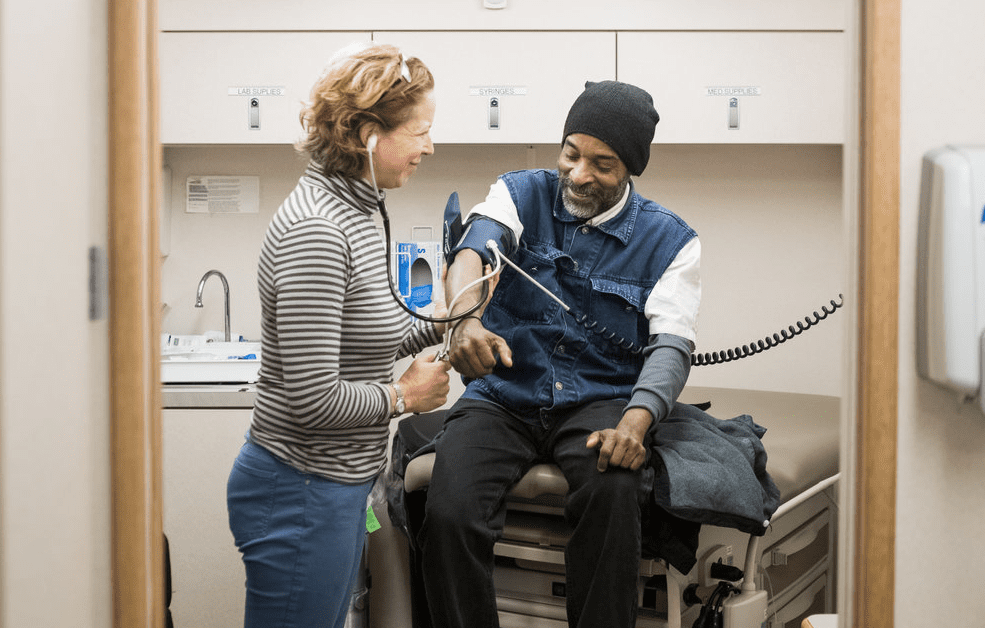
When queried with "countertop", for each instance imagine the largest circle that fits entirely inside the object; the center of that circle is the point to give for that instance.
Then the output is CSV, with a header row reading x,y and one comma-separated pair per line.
x,y
208,395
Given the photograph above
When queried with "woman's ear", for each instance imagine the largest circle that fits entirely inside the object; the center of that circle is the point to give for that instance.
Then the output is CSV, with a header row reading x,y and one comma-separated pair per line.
x,y
369,135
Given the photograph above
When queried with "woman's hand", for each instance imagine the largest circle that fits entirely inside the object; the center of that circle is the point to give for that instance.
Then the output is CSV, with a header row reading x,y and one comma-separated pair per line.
x,y
425,384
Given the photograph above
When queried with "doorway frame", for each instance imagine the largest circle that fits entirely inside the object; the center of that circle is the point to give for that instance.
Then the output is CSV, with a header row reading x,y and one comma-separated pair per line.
x,y
134,270
873,548
135,158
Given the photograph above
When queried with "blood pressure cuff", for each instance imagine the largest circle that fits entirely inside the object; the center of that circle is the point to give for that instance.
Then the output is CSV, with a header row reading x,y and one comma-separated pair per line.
x,y
478,231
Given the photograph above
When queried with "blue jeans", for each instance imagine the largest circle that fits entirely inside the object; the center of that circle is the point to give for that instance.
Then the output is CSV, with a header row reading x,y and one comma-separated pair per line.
x,y
301,537
480,455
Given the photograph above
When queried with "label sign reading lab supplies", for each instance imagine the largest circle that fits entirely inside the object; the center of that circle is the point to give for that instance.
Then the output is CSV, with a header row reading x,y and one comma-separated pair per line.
x,y
215,194
257,90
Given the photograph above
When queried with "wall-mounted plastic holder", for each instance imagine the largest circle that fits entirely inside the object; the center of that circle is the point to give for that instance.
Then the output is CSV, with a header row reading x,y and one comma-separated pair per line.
x,y
419,272
951,269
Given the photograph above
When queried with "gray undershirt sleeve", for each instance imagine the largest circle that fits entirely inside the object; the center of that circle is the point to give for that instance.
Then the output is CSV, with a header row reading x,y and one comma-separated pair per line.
x,y
666,367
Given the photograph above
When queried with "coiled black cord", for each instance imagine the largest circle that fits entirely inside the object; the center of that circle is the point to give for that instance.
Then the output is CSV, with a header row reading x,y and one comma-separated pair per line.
x,y
721,357
593,326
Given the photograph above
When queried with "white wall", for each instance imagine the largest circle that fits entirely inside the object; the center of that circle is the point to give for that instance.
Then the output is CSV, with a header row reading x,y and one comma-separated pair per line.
x,y
54,428
940,501
769,218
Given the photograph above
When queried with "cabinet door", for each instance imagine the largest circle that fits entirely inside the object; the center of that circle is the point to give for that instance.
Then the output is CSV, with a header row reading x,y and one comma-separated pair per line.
x,y
507,87
240,88
740,88
207,573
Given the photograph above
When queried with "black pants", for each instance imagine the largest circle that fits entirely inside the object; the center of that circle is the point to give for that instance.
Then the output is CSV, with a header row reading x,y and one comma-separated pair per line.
x,y
482,453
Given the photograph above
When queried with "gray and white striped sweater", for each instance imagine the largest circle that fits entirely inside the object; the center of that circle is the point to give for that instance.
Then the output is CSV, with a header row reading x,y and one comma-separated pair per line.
x,y
331,332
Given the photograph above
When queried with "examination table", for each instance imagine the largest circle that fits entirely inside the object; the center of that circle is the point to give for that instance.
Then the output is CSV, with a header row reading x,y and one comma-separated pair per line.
x,y
793,561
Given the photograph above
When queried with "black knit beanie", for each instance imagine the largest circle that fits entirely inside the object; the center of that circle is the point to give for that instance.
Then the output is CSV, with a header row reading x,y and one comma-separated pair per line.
x,y
619,114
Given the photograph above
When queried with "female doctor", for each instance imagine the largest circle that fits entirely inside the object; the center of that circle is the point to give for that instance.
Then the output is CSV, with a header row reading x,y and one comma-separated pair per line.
x,y
331,332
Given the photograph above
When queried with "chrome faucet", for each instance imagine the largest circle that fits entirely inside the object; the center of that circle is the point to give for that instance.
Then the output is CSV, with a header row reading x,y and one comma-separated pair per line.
x,y
225,289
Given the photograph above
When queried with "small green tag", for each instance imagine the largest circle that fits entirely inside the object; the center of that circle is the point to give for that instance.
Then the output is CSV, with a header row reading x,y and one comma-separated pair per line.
x,y
372,523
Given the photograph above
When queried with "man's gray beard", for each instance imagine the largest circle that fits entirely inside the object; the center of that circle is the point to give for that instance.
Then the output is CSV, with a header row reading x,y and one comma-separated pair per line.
x,y
592,207
582,211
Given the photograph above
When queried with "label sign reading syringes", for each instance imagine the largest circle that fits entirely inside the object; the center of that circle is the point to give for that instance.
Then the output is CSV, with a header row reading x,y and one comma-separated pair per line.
x,y
498,90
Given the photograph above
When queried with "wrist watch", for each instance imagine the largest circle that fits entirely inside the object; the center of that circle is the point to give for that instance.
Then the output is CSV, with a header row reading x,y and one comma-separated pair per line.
x,y
399,406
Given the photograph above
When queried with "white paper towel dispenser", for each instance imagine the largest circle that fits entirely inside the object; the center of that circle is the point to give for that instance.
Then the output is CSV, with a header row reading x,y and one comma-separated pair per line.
x,y
951,269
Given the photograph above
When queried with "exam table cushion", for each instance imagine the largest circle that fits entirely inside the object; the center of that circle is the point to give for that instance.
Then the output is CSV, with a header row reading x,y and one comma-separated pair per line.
x,y
801,438
802,431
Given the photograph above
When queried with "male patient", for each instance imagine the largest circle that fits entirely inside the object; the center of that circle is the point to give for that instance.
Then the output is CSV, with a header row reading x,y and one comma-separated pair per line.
x,y
545,387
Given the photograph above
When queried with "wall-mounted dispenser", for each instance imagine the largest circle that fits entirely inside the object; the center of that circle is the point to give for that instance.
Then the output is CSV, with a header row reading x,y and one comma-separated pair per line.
x,y
951,269
419,271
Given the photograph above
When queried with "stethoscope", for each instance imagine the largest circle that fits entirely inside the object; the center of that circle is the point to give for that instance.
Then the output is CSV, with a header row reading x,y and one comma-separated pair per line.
x,y
370,147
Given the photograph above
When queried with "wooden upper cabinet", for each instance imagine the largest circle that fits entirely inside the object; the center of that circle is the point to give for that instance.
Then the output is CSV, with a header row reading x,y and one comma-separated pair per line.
x,y
240,88
515,87
518,15
741,87
507,87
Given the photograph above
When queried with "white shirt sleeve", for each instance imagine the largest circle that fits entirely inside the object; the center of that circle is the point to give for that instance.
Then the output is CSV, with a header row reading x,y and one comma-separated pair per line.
x,y
672,307
500,207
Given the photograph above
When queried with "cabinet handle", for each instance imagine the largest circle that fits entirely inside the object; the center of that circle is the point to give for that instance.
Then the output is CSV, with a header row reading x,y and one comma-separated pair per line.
x,y
493,113
795,543
254,114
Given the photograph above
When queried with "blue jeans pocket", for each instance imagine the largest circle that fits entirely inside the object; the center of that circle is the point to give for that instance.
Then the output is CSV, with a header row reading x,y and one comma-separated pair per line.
x,y
250,495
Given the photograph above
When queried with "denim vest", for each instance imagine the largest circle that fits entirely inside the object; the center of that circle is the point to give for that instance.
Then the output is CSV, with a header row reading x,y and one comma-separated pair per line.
x,y
605,272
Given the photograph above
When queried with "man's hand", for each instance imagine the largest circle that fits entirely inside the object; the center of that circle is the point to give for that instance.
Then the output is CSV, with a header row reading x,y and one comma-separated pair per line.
x,y
622,446
473,350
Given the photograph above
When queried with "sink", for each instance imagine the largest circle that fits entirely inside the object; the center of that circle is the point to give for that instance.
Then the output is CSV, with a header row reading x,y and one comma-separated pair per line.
x,y
198,362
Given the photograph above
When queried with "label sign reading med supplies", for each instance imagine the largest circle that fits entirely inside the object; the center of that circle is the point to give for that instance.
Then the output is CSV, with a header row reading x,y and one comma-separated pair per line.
x,y
733,92
257,90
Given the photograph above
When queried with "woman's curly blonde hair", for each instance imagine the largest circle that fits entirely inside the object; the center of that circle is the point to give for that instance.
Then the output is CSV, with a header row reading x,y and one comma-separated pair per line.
x,y
363,84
